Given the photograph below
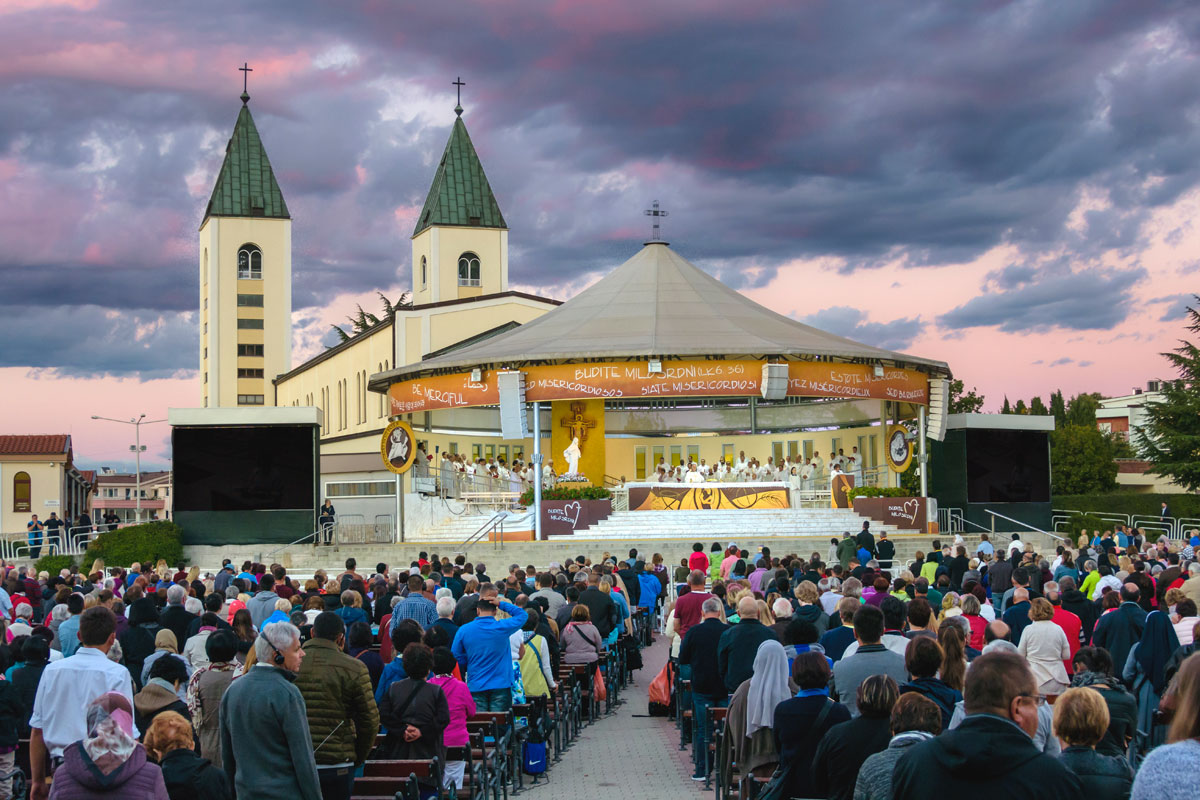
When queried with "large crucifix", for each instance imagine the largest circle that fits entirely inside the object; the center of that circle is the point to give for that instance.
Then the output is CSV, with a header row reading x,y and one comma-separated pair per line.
x,y
656,214
245,69
576,423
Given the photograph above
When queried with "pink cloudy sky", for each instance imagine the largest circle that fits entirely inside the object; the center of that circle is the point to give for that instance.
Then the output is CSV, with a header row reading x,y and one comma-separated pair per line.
x,y
1009,187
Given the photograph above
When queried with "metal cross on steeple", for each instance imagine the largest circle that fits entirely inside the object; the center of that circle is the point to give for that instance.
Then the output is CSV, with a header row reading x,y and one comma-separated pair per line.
x,y
245,69
458,82
657,214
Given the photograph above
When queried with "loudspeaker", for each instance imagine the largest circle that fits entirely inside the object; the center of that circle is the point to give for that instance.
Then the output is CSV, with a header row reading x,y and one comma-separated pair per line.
x,y
774,381
514,424
939,407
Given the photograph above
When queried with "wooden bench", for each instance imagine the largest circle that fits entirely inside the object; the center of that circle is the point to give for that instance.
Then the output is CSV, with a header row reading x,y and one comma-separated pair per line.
x,y
399,777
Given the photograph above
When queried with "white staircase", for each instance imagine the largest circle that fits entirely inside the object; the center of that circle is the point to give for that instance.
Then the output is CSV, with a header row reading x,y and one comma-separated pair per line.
x,y
457,530
709,526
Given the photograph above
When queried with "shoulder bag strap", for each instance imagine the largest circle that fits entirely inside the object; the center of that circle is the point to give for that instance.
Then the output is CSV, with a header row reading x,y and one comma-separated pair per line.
x,y
408,700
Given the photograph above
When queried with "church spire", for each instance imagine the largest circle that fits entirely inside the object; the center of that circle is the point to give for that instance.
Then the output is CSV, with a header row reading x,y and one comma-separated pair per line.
x,y
246,185
460,194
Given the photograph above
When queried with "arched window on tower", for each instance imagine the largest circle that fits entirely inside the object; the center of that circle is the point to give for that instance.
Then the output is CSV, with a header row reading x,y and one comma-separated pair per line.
x,y
468,270
249,262
22,493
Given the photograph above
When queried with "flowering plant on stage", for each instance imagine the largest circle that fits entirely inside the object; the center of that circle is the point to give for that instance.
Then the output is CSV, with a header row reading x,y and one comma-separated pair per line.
x,y
558,493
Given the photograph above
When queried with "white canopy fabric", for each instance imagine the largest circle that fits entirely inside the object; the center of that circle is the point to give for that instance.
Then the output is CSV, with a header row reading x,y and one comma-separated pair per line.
x,y
658,304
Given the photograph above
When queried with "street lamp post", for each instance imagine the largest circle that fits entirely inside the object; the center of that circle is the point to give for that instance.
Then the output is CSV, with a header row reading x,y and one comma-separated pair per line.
x,y
137,450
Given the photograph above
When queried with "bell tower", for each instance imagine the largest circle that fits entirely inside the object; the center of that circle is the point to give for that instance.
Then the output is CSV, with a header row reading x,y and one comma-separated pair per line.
x,y
245,275
460,243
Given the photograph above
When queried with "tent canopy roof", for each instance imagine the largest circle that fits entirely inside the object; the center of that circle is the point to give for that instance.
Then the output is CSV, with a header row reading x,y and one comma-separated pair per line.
x,y
656,305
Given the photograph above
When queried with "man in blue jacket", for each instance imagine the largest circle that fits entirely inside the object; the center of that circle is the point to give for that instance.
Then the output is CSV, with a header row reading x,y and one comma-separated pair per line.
x,y
484,653
649,587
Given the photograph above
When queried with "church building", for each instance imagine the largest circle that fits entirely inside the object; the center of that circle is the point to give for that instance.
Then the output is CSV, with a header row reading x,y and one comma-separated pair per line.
x,y
460,295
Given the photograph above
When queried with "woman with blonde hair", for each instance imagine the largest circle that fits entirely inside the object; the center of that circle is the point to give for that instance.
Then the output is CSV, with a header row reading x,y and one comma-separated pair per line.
x,y
1081,719
186,774
950,607
765,615
1044,645
97,566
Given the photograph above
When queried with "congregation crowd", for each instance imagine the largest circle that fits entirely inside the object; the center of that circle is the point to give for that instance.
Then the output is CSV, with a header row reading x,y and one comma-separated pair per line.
x,y
159,683
998,671
992,668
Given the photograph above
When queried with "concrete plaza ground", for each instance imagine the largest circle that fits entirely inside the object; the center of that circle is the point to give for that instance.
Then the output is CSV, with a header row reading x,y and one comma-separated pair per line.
x,y
627,755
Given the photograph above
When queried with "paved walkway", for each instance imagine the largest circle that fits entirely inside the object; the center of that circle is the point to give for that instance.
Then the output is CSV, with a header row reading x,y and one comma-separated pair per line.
x,y
629,754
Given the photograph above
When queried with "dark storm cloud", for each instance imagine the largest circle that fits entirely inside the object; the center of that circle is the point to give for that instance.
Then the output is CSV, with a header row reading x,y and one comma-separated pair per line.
x,y
853,324
1176,306
869,132
1094,298
86,341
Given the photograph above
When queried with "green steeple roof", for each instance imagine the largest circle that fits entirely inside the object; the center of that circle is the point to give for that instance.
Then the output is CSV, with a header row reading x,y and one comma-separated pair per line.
x,y
460,194
246,186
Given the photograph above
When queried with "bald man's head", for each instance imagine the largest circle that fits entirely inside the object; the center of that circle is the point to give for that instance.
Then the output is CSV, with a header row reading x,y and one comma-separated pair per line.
x,y
1021,596
748,608
996,630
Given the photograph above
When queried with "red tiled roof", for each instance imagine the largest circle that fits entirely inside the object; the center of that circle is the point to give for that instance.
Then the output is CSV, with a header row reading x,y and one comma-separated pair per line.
x,y
52,444
123,478
1133,466
89,476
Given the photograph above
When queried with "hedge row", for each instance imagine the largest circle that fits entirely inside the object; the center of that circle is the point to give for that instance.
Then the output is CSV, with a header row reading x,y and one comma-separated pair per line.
x,y
150,541
1142,505
878,491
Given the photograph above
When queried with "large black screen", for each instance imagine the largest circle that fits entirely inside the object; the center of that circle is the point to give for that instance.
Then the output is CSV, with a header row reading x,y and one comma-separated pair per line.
x,y
1008,466
243,469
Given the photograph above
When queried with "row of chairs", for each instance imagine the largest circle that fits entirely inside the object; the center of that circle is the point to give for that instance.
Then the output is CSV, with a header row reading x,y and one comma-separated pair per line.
x,y
494,757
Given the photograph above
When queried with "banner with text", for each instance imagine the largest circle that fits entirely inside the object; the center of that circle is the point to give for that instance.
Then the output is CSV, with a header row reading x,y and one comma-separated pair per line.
x,y
682,498
677,379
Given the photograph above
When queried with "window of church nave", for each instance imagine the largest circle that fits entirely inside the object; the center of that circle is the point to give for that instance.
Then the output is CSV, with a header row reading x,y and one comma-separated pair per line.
x,y
249,262
250,399
468,270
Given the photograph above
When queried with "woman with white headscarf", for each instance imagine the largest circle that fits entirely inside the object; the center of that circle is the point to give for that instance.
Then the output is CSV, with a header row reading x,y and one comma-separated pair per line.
x,y
109,762
750,740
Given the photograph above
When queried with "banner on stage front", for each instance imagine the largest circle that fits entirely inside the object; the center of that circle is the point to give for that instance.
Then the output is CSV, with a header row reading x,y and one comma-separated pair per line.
x,y
683,498
616,379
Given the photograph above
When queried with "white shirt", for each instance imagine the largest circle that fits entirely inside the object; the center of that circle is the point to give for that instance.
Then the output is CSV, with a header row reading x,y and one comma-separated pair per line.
x,y
692,476
66,689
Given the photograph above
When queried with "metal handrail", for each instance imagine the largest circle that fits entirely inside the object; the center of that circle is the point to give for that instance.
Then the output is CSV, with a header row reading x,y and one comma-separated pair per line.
x,y
494,522
312,535
995,514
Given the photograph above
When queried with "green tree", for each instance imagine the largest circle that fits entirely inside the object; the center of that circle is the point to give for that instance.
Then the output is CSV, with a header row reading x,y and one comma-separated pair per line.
x,y
1081,410
1006,408
1020,408
1082,461
1058,407
964,403
1170,441
364,321
1037,407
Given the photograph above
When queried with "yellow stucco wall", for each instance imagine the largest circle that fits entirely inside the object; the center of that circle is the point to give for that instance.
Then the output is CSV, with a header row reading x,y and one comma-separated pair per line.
x,y
220,239
45,483
354,365
441,247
